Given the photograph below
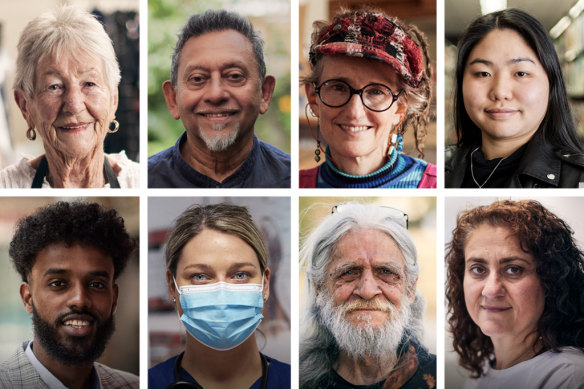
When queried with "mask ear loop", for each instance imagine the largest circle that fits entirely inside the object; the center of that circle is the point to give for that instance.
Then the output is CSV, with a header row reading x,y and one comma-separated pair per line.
x,y
314,137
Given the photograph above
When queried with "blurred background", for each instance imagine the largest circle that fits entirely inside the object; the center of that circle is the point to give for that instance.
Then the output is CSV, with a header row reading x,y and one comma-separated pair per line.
x,y
563,207
122,351
422,13
272,216
562,18
121,21
270,17
422,227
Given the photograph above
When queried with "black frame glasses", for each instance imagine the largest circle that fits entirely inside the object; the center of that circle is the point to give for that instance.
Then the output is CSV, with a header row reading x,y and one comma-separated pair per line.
x,y
353,91
396,214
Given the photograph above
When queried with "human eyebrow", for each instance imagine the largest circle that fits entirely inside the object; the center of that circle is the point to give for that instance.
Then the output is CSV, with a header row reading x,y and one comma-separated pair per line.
x,y
198,266
521,59
54,271
340,270
514,259
480,61
99,273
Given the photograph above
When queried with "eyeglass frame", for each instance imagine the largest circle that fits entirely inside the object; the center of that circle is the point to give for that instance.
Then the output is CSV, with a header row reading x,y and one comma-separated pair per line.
x,y
359,92
338,208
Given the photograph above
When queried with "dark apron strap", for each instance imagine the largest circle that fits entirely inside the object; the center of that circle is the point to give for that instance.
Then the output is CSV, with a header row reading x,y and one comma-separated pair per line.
x,y
41,172
109,173
43,169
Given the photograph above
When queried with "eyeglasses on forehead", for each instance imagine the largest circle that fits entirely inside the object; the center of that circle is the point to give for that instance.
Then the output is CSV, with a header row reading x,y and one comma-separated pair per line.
x,y
396,214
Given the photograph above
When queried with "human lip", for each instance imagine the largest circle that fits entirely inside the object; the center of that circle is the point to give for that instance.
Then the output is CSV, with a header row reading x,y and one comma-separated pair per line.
x,y
217,114
354,128
78,325
78,126
494,308
501,113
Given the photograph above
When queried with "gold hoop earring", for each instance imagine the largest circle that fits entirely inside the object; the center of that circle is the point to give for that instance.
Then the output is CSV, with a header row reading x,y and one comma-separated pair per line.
x,y
116,127
31,134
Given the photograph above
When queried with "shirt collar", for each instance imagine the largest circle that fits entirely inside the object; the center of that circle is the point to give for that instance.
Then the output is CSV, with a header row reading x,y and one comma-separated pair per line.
x,y
48,377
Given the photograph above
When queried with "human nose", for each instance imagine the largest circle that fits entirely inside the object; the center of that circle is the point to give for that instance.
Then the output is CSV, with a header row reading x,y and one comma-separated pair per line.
x,y
216,92
493,286
79,297
500,88
355,107
367,287
74,100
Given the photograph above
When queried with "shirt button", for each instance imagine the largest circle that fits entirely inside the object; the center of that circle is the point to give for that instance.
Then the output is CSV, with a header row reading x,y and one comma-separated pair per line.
x,y
551,176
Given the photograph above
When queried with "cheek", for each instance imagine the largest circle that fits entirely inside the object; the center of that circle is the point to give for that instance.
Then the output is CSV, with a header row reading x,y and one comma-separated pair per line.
x,y
472,291
341,294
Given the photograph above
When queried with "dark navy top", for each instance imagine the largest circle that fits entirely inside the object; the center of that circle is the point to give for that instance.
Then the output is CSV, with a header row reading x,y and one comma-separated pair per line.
x,y
265,167
162,375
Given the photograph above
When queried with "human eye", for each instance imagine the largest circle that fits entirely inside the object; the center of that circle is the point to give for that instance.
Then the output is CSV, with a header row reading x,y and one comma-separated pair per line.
x,y
197,79
514,270
521,74
199,277
241,276
336,86
97,285
377,90
235,77
57,284
482,74
477,270
389,274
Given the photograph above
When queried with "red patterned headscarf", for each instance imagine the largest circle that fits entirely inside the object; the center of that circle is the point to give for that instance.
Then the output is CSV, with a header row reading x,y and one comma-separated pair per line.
x,y
372,35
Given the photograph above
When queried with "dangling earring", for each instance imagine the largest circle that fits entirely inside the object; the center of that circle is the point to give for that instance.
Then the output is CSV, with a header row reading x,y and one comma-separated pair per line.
x,y
31,134
396,139
317,150
116,126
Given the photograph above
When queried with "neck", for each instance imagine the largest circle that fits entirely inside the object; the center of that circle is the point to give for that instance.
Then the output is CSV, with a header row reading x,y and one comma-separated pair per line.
x,y
359,166
217,165
72,376
500,149
239,367
67,172
365,371
510,352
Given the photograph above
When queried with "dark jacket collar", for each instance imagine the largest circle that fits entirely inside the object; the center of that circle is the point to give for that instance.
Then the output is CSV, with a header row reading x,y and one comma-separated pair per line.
x,y
541,166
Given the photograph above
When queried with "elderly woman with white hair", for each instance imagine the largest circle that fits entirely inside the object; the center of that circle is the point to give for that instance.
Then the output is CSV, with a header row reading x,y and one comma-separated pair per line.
x,y
67,90
363,325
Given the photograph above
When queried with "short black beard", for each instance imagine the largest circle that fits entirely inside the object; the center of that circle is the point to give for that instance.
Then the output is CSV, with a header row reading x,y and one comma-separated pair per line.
x,y
72,350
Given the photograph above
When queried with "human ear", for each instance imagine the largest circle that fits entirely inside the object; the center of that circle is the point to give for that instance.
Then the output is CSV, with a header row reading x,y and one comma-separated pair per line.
x,y
311,96
266,291
26,296
24,105
170,97
267,90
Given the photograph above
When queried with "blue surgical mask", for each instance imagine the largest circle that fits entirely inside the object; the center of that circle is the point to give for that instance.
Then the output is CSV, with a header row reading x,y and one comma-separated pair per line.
x,y
221,315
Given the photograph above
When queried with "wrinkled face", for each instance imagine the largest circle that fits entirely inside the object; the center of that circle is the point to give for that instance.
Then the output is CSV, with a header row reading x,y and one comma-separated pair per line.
x,y
72,104
214,256
505,88
72,296
354,131
502,290
366,277
219,93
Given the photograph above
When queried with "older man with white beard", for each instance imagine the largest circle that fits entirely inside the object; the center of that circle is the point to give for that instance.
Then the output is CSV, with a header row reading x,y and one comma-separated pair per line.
x,y
363,324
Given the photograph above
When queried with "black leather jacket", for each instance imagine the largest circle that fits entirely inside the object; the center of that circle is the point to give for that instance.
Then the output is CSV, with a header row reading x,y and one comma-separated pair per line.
x,y
541,166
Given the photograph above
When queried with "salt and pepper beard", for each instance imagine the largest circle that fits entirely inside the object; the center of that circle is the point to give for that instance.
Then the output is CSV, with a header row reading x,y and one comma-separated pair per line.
x,y
218,142
364,341
72,351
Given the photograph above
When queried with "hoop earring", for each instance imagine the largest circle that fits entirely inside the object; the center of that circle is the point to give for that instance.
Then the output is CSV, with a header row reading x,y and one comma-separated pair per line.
x,y
31,134
116,127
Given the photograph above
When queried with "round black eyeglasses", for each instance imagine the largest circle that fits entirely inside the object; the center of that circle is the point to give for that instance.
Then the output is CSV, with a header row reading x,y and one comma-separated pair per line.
x,y
376,97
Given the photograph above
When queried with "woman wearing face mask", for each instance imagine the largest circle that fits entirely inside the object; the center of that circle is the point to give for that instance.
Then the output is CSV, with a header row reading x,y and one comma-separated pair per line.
x,y
218,276
513,123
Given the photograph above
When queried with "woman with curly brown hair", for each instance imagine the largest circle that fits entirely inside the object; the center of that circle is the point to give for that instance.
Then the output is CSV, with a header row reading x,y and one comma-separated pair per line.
x,y
515,300
386,63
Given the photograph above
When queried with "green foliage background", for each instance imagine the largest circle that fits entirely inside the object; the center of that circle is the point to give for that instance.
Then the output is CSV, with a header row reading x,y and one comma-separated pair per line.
x,y
165,18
